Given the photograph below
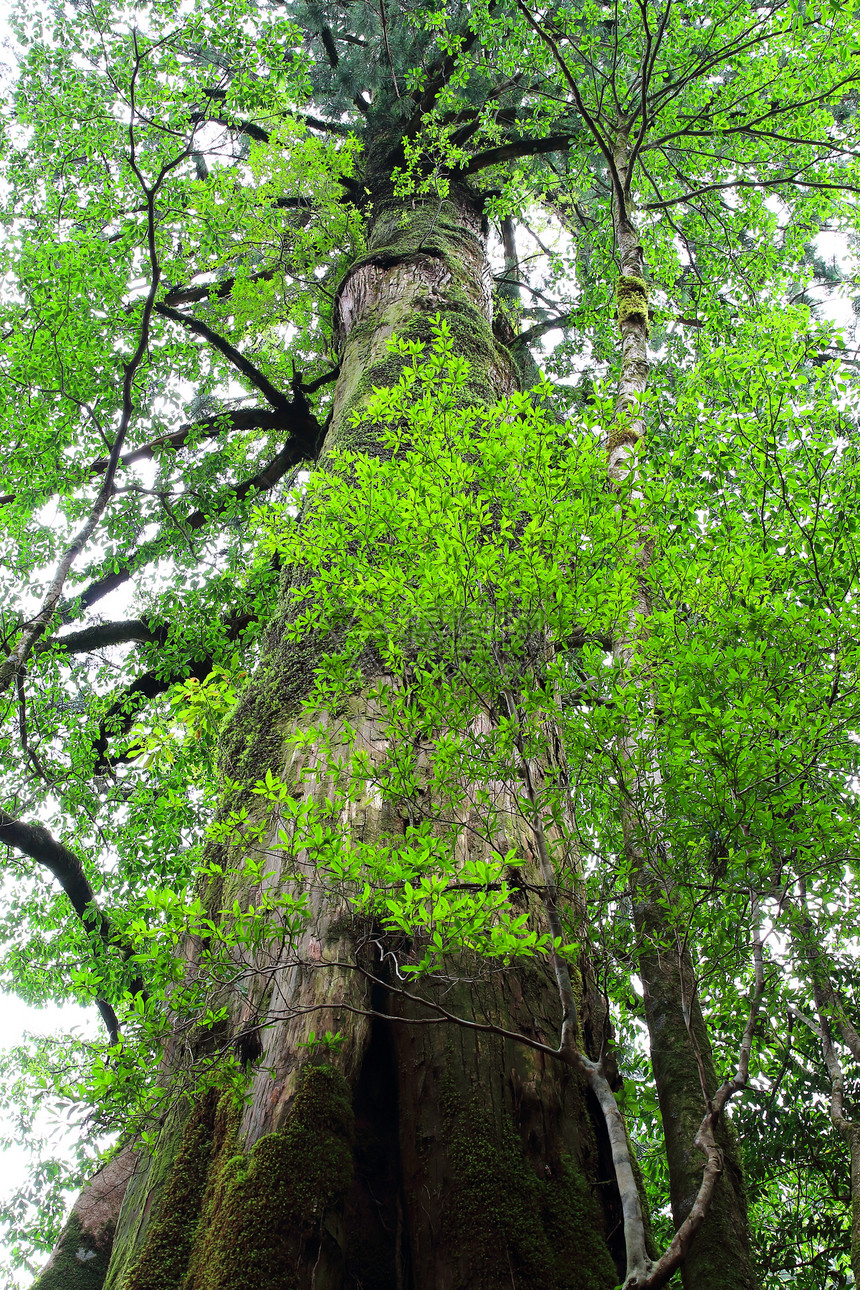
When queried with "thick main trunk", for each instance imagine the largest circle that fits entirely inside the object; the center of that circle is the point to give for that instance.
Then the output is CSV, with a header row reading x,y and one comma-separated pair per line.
x,y
417,1155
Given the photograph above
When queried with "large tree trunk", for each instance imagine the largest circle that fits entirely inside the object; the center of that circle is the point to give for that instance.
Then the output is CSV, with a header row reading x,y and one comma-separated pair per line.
x,y
416,1155
81,1256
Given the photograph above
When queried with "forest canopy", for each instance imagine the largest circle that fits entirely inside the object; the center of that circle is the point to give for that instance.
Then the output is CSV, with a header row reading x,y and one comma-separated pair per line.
x,y
430,639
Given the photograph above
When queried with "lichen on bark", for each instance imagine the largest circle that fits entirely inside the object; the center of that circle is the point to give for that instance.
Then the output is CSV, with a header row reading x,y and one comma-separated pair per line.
x,y
82,1255
78,1262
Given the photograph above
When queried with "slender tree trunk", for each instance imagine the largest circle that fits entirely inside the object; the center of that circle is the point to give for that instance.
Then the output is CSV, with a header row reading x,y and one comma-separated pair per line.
x,y
415,1155
682,1061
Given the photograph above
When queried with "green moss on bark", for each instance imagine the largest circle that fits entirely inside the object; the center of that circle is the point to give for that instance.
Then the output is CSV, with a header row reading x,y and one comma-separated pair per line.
x,y
403,230
254,741
228,1221
473,340
79,1262
268,1214
514,1227
170,1238
632,297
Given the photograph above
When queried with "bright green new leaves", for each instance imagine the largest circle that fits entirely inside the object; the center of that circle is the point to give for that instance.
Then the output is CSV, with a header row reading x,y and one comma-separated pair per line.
x,y
460,565
469,523
458,589
479,562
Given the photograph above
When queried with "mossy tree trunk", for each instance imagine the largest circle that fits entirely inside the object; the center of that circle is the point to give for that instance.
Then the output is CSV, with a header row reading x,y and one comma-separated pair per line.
x,y
417,1155
81,1256
681,1056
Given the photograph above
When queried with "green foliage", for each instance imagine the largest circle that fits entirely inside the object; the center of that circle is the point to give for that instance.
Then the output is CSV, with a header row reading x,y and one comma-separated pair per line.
x,y
451,577
464,578
196,708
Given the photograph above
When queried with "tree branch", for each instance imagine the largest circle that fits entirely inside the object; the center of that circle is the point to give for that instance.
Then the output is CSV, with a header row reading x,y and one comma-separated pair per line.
x,y
35,628
122,713
249,128
589,120
750,183
293,453
35,841
313,122
659,1273
273,396
103,635
518,148
206,428
649,58
561,323
187,295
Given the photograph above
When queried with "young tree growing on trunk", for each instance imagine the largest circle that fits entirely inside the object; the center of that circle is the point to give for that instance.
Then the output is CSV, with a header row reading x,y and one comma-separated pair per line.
x,y
518,707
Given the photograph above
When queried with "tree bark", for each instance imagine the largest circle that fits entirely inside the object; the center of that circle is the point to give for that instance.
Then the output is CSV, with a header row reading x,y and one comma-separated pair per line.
x,y
81,1256
416,1155
682,1061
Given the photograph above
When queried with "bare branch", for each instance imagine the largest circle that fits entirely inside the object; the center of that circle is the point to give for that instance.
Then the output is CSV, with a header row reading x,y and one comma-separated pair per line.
x,y
518,148
273,396
293,453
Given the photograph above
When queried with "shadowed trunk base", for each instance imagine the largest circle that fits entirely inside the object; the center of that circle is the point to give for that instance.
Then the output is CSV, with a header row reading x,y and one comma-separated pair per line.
x,y
449,1161
82,1254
